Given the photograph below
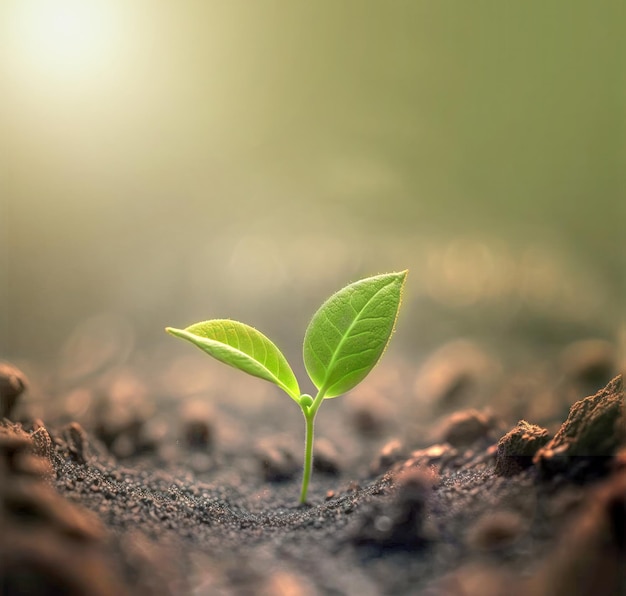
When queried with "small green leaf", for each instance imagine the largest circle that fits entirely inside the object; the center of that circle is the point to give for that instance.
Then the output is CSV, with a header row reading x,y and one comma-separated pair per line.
x,y
242,347
349,333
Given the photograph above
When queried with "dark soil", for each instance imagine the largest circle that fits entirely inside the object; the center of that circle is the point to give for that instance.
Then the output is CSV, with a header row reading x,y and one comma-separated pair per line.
x,y
101,493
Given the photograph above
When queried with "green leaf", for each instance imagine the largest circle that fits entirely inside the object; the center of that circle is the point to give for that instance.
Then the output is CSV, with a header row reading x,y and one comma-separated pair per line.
x,y
349,333
242,347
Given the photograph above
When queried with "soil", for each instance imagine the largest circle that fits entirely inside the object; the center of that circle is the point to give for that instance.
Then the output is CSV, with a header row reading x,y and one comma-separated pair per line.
x,y
102,492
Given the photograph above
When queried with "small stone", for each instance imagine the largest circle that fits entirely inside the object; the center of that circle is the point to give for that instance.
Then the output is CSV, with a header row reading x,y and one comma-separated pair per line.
x,y
12,384
516,449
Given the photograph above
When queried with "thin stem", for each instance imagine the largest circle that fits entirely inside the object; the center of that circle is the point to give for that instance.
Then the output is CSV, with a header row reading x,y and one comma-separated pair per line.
x,y
309,417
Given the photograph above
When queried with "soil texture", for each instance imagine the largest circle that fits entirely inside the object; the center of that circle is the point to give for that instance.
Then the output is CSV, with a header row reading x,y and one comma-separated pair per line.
x,y
473,492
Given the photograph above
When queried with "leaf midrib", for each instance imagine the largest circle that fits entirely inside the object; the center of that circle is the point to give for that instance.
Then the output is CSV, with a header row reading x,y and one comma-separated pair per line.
x,y
324,388
224,345
252,357
253,343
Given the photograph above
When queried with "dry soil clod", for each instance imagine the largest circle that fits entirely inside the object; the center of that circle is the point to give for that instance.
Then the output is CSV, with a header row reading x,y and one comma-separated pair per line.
x,y
589,438
464,428
516,449
12,384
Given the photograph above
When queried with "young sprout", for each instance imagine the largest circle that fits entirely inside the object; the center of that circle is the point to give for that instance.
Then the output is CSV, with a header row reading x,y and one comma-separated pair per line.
x,y
343,342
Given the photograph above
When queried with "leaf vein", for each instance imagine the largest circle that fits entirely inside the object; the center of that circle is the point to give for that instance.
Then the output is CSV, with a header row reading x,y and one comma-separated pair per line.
x,y
345,336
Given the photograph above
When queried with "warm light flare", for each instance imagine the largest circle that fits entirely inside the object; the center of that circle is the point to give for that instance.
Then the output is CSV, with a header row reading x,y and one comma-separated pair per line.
x,y
62,39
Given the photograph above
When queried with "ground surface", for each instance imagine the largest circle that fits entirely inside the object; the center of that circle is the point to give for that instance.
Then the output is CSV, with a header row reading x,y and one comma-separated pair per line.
x,y
101,493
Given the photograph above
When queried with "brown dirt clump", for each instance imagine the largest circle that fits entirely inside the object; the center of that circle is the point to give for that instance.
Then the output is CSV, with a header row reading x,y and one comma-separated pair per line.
x,y
81,514
516,449
588,439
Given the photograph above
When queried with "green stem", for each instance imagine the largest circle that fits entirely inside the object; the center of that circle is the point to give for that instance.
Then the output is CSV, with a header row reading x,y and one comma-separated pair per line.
x,y
309,417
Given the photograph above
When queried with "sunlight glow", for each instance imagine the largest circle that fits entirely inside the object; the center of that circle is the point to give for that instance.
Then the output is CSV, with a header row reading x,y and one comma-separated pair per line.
x,y
62,39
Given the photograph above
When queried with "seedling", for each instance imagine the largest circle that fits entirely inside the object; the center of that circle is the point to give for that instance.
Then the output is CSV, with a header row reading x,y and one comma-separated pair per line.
x,y
343,342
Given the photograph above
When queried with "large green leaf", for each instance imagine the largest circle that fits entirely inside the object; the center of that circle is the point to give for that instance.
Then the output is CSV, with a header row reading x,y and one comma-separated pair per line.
x,y
242,347
349,333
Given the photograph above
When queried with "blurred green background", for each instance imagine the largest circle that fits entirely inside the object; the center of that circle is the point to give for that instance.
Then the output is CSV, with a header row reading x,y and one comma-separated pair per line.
x,y
164,163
